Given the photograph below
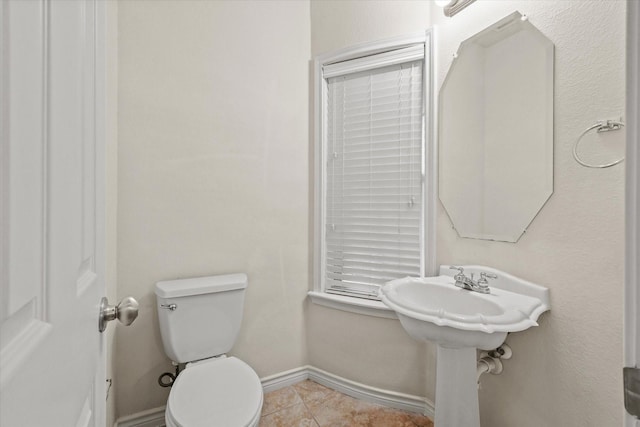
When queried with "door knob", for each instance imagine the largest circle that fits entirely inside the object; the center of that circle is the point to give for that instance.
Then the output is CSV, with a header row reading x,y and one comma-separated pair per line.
x,y
126,312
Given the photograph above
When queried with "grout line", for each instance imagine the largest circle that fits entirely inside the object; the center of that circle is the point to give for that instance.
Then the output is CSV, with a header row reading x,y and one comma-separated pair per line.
x,y
313,416
301,401
285,407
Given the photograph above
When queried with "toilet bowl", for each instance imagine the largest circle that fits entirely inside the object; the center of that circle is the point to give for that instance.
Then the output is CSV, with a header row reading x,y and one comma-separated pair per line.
x,y
221,392
199,323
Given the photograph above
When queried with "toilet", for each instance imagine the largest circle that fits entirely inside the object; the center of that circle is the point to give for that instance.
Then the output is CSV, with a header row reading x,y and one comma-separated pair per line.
x,y
199,323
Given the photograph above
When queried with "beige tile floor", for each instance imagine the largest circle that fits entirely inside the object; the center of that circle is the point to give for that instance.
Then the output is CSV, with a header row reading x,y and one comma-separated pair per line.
x,y
309,404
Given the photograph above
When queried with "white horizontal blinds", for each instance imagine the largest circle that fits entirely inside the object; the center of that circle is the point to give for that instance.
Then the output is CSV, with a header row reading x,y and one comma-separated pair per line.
x,y
374,177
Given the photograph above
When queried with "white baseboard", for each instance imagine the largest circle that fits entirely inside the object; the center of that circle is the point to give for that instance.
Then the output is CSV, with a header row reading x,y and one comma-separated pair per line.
x,y
155,417
364,392
391,399
149,418
285,379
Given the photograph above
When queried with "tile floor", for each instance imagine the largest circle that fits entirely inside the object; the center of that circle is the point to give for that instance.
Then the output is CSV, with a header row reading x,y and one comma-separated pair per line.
x,y
309,404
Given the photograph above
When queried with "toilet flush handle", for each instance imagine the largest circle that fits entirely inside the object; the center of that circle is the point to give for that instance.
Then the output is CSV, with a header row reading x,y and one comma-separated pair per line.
x,y
171,307
126,312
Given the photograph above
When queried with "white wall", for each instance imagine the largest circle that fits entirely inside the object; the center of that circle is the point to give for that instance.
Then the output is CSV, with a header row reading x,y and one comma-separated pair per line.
x,y
213,173
366,349
568,370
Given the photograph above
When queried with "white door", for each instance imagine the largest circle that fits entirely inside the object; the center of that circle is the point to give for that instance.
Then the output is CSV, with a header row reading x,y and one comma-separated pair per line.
x,y
52,213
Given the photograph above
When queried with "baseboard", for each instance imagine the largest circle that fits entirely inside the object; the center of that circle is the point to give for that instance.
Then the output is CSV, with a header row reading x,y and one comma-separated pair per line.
x,y
155,417
149,418
392,399
285,379
364,392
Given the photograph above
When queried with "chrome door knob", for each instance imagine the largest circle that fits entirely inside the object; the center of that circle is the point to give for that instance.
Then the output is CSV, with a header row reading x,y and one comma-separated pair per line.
x,y
126,312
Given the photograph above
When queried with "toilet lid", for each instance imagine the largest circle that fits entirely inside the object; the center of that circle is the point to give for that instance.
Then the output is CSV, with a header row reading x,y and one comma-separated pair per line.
x,y
220,392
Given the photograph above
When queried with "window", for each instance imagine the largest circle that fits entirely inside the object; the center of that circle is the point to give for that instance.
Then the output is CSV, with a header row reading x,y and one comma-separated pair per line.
x,y
371,174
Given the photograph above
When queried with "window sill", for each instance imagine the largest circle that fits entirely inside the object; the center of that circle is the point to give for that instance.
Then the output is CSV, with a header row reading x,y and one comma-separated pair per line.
x,y
353,305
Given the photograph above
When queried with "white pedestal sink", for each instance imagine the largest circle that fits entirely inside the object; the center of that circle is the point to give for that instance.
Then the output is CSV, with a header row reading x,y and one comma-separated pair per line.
x,y
459,322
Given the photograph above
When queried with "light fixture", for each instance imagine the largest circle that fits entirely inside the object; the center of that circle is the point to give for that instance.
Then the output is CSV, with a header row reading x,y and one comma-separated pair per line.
x,y
451,7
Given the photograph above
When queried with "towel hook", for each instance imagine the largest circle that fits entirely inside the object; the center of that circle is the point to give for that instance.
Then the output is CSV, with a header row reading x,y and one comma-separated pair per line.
x,y
601,126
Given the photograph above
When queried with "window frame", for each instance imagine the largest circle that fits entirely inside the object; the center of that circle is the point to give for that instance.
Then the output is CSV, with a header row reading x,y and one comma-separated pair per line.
x,y
429,165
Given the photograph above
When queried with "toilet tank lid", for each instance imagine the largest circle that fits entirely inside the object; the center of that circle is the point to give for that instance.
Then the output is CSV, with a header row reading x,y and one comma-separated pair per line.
x,y
201,285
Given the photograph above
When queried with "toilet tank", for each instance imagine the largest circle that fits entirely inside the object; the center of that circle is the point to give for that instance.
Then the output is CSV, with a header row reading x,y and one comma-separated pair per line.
x,y
200,317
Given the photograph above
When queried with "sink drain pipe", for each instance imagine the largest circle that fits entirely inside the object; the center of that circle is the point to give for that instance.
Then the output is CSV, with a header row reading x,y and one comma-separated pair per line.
x,y
489,365
490,362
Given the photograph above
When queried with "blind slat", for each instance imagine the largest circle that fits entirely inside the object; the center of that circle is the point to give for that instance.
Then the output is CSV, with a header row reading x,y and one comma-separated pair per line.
x,y
368,258
372,247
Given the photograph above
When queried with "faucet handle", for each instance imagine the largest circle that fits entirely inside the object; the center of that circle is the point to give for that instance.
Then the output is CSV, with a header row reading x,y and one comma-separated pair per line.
x,y
460,274
459,277
484,276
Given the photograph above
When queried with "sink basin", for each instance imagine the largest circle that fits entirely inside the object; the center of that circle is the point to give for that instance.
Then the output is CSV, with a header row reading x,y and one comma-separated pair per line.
x,y
434,309
460,321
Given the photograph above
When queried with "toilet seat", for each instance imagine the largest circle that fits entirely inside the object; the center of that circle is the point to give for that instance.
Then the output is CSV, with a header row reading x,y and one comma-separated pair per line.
x,y
222,392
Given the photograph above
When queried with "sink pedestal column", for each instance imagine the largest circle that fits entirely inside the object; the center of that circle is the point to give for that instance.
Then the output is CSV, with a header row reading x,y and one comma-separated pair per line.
x,y
456,388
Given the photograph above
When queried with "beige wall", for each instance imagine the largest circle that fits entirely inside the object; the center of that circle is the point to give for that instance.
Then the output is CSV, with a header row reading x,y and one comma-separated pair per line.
x,y
215,180
213,173
575,246
337,24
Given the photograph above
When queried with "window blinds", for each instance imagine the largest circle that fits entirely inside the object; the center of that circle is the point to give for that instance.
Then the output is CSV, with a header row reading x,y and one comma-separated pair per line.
x,y
373,178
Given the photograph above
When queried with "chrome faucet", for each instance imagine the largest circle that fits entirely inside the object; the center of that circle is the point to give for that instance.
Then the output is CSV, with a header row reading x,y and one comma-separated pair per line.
x,y
465,282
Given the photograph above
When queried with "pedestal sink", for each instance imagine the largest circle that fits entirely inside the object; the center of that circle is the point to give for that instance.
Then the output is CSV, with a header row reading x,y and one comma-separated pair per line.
x,y
460,321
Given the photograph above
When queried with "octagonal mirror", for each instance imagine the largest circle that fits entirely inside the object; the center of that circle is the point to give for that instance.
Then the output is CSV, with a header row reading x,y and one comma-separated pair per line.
x,y
496,131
